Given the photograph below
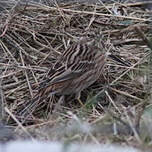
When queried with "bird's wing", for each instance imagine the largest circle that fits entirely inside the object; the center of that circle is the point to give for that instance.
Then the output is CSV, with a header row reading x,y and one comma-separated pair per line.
x,y
73,63
74,71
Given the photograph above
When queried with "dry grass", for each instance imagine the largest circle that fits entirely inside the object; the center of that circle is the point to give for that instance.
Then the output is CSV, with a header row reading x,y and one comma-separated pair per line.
x,y
33,36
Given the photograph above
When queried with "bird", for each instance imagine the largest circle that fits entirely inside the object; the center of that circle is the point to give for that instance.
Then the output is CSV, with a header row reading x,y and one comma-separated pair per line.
x,y
79,66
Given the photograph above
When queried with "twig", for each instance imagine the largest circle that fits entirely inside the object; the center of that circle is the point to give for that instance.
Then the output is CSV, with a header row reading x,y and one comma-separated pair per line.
x,y
19,124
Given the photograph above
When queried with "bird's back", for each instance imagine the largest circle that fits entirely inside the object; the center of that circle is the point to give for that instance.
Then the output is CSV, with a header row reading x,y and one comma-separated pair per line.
x,y
81,63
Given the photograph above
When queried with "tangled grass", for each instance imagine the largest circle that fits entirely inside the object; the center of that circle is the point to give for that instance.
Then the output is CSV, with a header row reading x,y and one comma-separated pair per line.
x,y
32,38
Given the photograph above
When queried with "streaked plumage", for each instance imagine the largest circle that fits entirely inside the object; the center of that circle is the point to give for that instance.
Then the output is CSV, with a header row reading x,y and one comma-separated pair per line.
x,y
78,67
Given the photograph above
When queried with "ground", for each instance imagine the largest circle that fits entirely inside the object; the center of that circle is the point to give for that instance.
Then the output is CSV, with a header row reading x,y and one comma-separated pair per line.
x,y
117,107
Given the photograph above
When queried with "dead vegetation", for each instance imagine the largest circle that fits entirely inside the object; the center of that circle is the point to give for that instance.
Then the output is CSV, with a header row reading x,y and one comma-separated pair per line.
x,y
34,35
